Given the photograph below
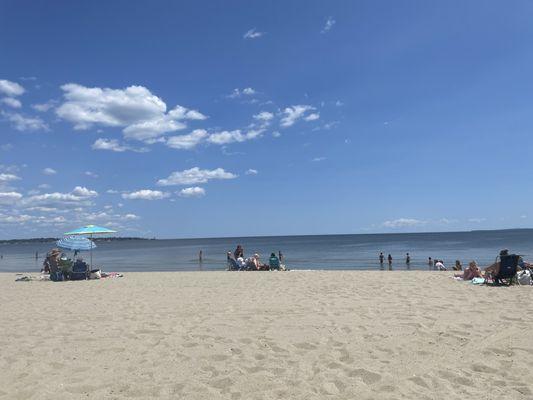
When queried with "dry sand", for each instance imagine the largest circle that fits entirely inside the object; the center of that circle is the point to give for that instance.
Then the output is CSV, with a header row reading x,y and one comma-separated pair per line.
x,y
271,335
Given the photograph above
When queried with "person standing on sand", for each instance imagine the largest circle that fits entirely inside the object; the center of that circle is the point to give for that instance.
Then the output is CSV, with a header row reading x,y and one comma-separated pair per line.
x,y
381,258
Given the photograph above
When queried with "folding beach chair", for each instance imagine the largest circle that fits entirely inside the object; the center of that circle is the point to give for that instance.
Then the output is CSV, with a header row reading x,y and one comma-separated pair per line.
x,y
508,269
80,271
232,265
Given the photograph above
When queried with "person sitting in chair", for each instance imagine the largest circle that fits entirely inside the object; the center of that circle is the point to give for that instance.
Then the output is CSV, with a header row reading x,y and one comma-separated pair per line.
x,y
273,261
51,264
494,269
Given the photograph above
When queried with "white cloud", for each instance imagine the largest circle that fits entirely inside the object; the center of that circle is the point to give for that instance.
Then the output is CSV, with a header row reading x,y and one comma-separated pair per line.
x,y
108,216
195,175
253,34
264,116
403,222
82,191
330,22
312,117
194,191
477,220
108,144
11,102
115,145
15,219
251,171
43,107
276,134
226,137
6,147
8,178
186,142
141,114
11,89
339,103
49,171
145,194
9,197
241,92
44,186
24,123
79,196
91,174
293,114
318,159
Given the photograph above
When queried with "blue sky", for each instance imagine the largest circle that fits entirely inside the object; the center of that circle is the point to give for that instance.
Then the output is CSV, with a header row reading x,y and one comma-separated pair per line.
x,y
194,119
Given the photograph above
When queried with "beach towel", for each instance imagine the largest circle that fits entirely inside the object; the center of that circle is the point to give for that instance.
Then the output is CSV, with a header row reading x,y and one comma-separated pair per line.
x,y
478,281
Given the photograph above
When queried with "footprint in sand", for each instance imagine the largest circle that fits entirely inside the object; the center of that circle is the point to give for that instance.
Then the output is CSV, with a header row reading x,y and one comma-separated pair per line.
x,y
368,377
305,346
222,384
334,365
419,381
456,379
219,357
498,352
483,368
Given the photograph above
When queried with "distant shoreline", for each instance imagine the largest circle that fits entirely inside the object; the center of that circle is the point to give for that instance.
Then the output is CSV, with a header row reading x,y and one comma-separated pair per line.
x,y
51,240
120,238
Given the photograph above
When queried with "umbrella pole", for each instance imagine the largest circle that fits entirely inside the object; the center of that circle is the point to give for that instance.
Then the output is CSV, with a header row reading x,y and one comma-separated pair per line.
x,y
91,252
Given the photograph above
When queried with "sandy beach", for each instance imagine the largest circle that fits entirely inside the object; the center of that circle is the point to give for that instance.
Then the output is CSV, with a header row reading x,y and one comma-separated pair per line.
x,y
272,335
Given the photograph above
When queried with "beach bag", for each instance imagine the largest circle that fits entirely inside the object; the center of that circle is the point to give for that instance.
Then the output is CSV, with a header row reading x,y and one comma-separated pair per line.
x,y
95,274
56,276
523,277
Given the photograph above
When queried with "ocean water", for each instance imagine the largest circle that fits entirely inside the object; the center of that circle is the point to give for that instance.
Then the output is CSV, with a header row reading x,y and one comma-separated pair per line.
x,y
300,252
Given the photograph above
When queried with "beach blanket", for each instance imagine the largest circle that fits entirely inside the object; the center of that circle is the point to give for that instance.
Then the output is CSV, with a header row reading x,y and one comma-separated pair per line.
x,y
29,278
111,275
478,281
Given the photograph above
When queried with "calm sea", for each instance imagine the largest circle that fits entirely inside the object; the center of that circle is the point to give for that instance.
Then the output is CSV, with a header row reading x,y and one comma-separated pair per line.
x,y
300,252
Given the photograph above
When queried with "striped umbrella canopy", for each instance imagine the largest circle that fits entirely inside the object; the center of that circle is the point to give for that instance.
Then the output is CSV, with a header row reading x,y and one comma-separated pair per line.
x,y
76,243
90,230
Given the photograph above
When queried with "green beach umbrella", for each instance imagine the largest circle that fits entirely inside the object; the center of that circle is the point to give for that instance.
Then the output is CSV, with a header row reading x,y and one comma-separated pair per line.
x,y
90,230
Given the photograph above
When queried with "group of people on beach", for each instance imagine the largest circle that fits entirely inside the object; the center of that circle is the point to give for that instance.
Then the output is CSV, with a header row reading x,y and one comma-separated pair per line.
x,y
433,263
238,262
62,268
474,271
470,272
